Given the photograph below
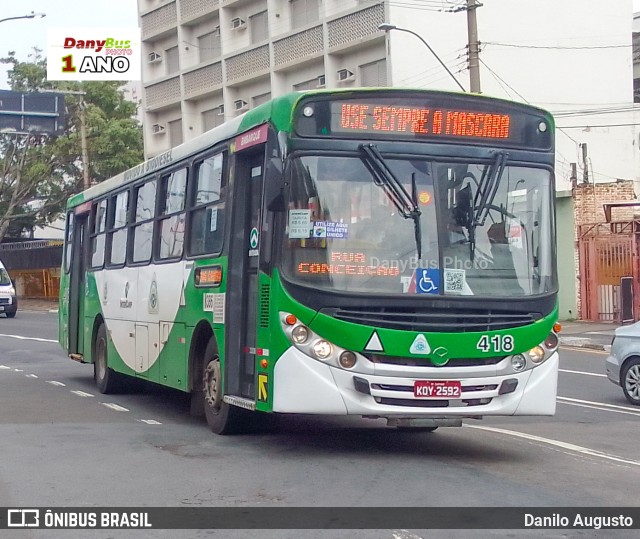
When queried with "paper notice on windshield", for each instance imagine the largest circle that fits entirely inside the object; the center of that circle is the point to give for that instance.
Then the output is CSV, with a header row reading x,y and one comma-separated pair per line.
x,y
299,223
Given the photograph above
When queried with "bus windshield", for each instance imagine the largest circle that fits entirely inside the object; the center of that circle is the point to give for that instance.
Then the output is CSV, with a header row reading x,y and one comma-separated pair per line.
x,y
4,277
477,228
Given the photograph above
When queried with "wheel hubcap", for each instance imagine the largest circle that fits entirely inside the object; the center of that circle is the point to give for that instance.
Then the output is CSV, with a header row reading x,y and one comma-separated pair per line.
x,y
211,384
632,382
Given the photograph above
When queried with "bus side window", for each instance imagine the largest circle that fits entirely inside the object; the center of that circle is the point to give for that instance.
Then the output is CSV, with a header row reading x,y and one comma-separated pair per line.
x,y
67,245
143,227
98,233
118,231
207,214
172,215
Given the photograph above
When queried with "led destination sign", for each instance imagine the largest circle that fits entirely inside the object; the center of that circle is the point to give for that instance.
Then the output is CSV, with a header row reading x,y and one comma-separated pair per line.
x,y
398,119
428,116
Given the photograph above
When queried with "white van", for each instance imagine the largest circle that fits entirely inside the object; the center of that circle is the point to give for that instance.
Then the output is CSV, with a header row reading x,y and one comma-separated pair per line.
x,y
8,298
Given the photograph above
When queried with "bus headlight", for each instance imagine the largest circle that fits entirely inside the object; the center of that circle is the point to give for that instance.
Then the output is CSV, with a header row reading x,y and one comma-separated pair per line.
x,y
536,354
518,362
347,359
322,349
313,345
300,334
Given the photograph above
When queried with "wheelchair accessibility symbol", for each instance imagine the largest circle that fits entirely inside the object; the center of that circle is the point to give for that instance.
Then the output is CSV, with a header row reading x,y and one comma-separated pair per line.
x,y
427,281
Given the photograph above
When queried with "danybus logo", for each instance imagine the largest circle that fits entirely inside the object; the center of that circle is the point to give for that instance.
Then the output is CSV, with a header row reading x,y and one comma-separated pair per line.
x,y
93,54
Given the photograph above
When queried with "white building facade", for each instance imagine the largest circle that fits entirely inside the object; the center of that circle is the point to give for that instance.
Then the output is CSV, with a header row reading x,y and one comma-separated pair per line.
x,y
205,61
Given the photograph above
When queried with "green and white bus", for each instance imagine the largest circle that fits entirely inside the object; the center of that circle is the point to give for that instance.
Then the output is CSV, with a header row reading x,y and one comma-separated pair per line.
x,y
385,253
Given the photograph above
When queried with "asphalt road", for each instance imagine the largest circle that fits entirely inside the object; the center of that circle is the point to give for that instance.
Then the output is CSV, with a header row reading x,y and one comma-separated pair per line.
x,y
64,444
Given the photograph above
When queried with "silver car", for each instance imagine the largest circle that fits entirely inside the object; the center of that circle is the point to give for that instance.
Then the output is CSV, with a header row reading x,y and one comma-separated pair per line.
x,y
623,363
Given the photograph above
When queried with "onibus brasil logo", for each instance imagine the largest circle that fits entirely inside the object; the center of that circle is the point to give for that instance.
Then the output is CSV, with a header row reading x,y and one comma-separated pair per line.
x,y
93,54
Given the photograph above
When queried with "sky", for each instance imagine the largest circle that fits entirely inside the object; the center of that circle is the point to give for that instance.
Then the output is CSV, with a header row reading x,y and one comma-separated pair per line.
x,y
23,34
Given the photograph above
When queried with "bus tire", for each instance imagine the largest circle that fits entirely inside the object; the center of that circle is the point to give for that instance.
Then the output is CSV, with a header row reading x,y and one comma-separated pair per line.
x,y
106,379
222,418
416,429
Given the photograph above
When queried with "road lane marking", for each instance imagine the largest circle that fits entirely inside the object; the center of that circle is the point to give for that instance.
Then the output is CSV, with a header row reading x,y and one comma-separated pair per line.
x,y
150,421
27,338
115,407
31,375
18,370
583,372
592,404
54,383
557,443
81,393
4,367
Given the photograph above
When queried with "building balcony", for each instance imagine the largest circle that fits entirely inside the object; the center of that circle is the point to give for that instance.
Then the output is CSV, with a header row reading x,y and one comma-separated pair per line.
x,y
355,29
162,94
305,45
192,11
203,80
160,21
247,65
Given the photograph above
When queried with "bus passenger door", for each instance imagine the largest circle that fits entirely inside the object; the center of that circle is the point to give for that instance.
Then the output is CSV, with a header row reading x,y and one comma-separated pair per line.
x,y
242,289
77,282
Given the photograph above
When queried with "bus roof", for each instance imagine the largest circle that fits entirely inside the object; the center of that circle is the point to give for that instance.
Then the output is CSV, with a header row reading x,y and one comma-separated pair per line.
x,y
277,111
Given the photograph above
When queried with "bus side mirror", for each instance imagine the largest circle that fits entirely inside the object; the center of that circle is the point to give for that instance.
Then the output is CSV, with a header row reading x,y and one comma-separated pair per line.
x,y
274,186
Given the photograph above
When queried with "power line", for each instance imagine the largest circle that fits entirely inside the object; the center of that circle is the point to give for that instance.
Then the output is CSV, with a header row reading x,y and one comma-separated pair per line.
x,y
556,47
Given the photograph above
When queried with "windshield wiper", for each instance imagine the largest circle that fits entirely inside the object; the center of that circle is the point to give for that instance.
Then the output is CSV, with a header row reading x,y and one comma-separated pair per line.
x,y
407,205
488,187
483,199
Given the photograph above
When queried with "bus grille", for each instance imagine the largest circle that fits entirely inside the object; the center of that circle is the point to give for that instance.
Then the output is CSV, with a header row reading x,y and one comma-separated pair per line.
x,y
433,320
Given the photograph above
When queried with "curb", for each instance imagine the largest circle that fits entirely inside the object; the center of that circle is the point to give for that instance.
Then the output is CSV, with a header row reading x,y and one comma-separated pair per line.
x,y
583,342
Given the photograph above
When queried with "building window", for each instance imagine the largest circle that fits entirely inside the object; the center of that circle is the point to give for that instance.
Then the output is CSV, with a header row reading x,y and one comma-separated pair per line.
x,y
259,99
312,84
304,12
209,46
212,118
175,133
259,27
374,74
172,62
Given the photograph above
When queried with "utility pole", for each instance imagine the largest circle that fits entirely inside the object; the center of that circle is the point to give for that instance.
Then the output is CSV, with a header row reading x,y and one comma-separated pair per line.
x,y
83,143
474,46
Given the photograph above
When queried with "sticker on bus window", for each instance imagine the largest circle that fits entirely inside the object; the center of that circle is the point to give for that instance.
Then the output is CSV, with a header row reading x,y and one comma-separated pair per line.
x,y
454,281
213,225
427,281
299,224
330,229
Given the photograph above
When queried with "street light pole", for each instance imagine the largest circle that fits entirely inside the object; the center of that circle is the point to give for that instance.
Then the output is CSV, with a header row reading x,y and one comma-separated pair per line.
x,y
31,15
388,27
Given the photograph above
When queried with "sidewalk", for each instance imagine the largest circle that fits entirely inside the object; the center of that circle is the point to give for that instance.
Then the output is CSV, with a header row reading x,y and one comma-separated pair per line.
x,y
584,334
43,305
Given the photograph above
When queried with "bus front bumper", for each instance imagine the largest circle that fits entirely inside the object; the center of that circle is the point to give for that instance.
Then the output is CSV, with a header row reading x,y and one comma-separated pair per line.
x,y
305,385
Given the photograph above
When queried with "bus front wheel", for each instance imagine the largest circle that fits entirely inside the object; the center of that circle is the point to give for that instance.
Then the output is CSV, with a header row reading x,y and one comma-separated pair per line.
x,y
106,379
222,418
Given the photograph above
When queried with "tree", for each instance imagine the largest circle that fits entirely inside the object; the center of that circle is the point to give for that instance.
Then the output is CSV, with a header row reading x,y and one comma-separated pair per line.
x,y
38,173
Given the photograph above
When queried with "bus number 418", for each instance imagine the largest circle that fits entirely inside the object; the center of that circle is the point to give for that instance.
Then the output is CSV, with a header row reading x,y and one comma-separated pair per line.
x,y
495,343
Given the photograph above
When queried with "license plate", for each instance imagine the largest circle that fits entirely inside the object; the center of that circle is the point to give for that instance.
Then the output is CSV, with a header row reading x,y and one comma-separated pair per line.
x,y
437,389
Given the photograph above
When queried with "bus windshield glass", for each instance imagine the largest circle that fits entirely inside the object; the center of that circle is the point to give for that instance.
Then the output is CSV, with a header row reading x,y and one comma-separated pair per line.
x,y
4,277
463,228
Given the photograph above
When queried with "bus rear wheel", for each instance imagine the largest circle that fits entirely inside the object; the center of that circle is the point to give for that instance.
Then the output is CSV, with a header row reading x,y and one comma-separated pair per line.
x,y
221,417
106,379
